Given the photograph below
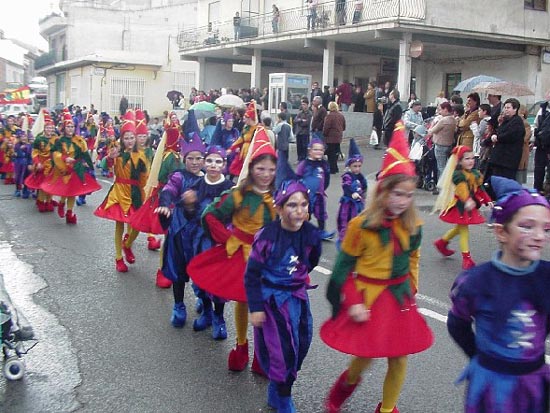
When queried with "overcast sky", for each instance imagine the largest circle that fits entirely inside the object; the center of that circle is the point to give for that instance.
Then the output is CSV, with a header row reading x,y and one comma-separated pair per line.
x,y
20,19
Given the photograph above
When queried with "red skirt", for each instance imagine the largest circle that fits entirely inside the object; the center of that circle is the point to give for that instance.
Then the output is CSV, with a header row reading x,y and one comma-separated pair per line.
x,y
453,216
7,168
236,166
54,185
218,274
392,330
145,219
34,181
114,212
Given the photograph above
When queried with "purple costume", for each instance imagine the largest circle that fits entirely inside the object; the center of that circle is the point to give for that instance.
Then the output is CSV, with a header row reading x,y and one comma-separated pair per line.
x,y
276,281
507,371
316,177
21,161
349,207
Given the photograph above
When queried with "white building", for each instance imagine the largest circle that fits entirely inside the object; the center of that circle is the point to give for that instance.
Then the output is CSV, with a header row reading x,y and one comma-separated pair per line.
x,y
101,50
508,39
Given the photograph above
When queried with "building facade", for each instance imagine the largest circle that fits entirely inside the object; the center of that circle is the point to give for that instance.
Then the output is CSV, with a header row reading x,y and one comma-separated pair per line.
x,y
99,53
421,45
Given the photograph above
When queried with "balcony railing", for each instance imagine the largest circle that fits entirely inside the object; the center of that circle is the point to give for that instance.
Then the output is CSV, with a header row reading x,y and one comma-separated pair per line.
x,y
329,15
46,59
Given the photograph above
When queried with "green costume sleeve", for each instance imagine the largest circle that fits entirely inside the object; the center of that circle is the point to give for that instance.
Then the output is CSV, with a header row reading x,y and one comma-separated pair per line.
x,y
343,265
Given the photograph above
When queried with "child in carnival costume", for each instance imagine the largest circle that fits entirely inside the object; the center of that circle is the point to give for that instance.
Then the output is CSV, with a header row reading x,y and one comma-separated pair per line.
x,y
6,150
225,135
193,239
69,178
168,159
144,145
89,133
461,193
22,151
354,185
315,174
181,223
239,148
374,282
232,221
111,144
126,194
276,281
507,299
42,159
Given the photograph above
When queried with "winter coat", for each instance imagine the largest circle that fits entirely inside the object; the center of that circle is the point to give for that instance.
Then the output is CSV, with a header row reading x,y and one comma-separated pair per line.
x,y
334,127
509,146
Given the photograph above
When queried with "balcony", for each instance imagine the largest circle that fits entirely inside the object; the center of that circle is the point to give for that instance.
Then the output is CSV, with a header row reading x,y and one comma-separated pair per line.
x,y
52,24
330,15
46,59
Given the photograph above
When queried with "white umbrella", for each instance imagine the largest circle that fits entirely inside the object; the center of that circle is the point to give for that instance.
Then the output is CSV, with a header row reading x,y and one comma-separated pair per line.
x,y
468,84
229,101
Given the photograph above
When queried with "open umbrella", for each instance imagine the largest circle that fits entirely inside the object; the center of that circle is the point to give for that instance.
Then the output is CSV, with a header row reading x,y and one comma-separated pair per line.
x,y
173,94
503,88
203,110
468,84
229,101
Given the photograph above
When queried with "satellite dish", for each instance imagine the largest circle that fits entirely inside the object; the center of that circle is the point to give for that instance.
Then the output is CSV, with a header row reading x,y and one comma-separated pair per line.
x,y
416,48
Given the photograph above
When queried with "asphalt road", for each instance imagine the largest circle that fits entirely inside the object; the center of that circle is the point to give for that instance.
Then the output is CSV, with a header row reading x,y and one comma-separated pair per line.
x,y
106,344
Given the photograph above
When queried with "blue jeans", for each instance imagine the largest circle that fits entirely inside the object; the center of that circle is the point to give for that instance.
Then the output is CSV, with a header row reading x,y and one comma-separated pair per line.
x,y
344,107
441,153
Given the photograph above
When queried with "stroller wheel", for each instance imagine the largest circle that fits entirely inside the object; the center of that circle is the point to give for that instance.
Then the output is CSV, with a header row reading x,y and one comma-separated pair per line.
x,y
429,186
14,369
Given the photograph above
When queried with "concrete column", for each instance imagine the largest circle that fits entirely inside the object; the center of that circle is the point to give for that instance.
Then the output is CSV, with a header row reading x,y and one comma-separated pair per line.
x,y
328,63
256,69
404,72
201,81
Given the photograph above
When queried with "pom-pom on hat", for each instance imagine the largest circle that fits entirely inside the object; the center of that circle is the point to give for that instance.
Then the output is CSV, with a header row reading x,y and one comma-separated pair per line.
x,y
286,182
191,144
216,149
460,150
354,155
511,196
141,123
396,159
128,122
251,111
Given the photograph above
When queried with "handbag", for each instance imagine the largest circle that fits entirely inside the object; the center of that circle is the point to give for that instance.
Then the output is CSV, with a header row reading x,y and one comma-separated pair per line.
x,y
416,151
373,138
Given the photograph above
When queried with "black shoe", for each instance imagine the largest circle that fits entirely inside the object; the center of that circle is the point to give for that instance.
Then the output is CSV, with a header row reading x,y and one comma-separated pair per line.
x,y
435,191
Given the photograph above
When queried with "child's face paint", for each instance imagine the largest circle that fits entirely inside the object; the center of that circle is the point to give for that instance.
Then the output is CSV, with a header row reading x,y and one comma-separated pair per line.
x,y
524,237
214,165
294,212
355,167
400,197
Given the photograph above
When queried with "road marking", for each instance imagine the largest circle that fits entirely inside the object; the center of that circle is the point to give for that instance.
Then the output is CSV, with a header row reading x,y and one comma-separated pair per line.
x,y
105,181
432,314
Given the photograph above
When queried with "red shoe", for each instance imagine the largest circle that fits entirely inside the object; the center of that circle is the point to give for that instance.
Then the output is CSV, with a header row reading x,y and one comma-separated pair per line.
x,y
441,246
467,261
162,281
153,243
121,265
395,409
238,357
339,393
70,218
49,206
130,257
61,209
256,367
41,205
54,202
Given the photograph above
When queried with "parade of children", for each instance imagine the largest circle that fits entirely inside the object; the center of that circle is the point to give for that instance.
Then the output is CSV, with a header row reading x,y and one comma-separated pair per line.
x,y
311,278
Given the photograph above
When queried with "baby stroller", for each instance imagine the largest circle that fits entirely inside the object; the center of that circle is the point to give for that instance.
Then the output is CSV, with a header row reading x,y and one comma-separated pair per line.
x,y
12,347
423,155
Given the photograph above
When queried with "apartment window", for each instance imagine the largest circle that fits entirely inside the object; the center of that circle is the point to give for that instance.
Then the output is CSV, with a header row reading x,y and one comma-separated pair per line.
x,y
183,82
451,80
535,4
130,87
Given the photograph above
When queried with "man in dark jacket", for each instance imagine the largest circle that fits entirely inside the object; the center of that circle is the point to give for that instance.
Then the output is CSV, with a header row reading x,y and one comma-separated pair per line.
x,y
392,115
507,144
302,122
318,119
542,151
